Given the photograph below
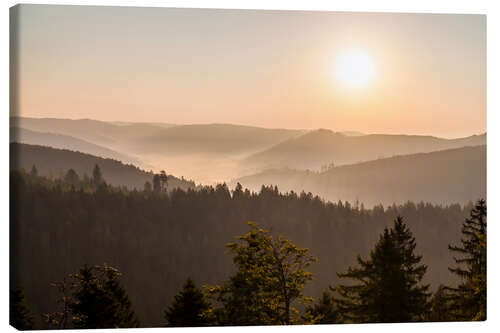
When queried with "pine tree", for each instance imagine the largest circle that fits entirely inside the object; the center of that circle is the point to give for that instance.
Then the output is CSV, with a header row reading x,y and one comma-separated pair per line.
x,y
469,298
156,183
71,177
34,171
93,298
440,306
388,288
96,176
20,316
189,308
100,301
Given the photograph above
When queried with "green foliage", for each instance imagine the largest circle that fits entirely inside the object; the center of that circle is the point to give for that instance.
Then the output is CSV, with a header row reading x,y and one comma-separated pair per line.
x,y
20,316
190,308
271,273
93,298
389,288
469,298
324,311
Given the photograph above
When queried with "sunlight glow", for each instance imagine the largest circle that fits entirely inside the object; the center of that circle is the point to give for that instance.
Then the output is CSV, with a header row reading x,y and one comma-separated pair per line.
x,y
355,68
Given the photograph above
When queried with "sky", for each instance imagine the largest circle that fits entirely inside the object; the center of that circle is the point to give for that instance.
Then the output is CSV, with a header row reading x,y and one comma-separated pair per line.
x,y
275,69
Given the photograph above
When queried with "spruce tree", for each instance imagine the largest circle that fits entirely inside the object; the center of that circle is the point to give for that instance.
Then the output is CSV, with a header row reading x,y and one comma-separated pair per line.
x,y
440,306
189,308
96,175
34,171
389,285
20,316
100,301
469,298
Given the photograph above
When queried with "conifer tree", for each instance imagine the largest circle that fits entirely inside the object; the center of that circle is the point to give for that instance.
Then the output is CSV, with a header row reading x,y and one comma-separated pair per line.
x,y
440,306
34,171
20,316
100,301
93,298
389,285
189,308
96,175
469,298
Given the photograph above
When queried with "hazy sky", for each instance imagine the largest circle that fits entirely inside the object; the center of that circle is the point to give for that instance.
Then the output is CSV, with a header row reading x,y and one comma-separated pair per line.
x,y
263,68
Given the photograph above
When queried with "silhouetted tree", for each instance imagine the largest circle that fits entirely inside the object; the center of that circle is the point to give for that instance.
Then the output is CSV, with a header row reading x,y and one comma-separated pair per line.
x,y
147,187
93,298
324,311
389,288
71,177
163,180
20,316
96,175
271,273
440,309
189,308
156,183
34,171
469,298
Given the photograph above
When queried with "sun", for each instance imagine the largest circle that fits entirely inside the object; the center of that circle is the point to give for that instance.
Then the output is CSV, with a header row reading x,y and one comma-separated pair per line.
x,y
355,68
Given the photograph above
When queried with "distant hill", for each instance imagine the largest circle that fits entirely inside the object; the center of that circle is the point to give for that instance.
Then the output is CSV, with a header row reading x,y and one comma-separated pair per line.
x,y
316,148
161,138
61,141
448,176
98,132
213,139
56,162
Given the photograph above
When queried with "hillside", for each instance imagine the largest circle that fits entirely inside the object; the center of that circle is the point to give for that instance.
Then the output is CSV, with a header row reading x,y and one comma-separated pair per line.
x,y
216,139
56,162
98,132
61,141
165,239
316,148
448,176
159,138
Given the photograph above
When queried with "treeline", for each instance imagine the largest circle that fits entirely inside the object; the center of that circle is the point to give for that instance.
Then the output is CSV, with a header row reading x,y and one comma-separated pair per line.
x,y
157,239
55,163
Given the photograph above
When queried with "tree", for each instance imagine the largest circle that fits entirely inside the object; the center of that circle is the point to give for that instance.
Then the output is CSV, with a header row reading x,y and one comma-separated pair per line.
x,y
20,316
388,288
156,183
440,306
96,175
93,298
323,312
71,177
271,273
469,298
189,308
34,171
163,180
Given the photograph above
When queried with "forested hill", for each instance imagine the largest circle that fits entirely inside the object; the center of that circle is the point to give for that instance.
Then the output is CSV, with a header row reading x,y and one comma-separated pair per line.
x,y
56,162
316,148
158,240
447,176
60,141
